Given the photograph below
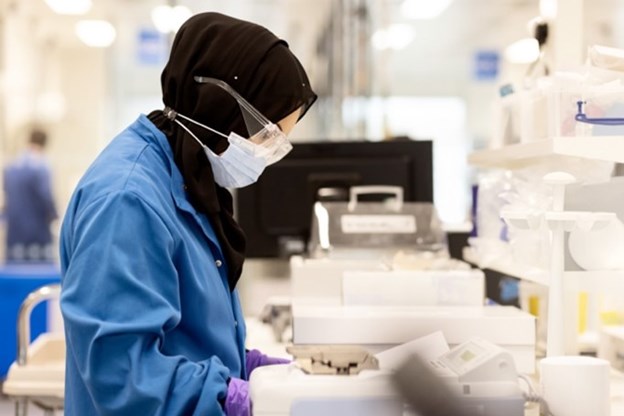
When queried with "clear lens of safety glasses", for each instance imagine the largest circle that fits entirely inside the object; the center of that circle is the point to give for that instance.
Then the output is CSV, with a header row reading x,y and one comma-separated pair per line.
x,y
254,120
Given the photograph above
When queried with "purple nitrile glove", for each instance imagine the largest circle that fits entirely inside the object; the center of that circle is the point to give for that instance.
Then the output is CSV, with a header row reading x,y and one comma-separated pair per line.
x,y
256,359
237,402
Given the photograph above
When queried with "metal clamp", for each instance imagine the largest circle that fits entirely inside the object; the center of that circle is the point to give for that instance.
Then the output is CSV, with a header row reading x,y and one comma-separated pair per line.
x,y
582,117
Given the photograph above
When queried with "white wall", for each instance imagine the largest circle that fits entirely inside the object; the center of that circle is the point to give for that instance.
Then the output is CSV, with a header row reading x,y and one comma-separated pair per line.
x,y
38,68
80,135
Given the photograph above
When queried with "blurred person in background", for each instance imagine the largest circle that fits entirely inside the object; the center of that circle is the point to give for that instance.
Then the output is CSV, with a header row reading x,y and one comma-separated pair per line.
x,y
150,251
29,204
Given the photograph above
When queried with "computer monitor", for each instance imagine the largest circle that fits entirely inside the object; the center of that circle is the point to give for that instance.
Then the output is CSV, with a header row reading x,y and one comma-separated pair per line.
x,y
276,212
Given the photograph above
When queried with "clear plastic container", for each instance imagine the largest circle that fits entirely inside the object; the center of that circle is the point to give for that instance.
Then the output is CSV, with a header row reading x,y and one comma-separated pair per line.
x,y
549,109
601,100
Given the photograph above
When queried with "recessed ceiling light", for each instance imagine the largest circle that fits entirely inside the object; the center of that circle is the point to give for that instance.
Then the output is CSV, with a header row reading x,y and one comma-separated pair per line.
x,y
424,9
169,19
523,51
69,6
396,36
96,33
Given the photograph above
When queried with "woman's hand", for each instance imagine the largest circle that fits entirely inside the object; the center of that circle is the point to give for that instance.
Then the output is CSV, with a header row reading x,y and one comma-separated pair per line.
x,y
256,359
237,401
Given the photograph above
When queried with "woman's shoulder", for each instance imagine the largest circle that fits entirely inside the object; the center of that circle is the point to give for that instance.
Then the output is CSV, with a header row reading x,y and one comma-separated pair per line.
x,y
129,164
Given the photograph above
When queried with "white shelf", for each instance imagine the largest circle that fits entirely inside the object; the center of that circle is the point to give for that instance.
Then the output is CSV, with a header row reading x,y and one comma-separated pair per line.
x,y
607,148
584,280
507,268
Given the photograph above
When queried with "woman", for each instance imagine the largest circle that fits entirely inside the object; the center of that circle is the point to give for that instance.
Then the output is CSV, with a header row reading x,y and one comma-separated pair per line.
x,y
150,251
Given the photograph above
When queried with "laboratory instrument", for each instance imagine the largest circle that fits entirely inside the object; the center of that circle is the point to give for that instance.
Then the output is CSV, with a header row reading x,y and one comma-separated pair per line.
x,y
276,211
381,327
375,281
481,374
332,359
558,221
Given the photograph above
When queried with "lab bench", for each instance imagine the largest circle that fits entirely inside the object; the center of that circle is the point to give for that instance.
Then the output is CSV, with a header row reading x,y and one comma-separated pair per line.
x,y
261,336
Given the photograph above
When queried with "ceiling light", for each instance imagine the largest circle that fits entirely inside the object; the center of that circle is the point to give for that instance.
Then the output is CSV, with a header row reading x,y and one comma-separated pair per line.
x,y
380,40
548,8
396,36
69,6
523,51
169,19
424,9
96,33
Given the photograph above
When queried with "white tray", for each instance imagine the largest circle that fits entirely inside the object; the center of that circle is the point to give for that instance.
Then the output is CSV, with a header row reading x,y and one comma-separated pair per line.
x,y
42,379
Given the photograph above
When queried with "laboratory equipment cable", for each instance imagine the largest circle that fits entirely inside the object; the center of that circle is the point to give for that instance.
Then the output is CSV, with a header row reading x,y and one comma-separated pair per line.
x,y
534,397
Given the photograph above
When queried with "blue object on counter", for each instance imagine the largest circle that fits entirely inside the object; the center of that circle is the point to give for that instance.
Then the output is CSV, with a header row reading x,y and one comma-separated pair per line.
x,y
509,289
16,282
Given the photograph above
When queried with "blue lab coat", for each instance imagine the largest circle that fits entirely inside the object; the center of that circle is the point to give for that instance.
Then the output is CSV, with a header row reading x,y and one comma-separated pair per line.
x,y
151,326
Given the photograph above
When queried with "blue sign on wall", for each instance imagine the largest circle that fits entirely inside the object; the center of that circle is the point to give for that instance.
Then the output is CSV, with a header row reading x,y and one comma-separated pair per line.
x,y
152,47
486,65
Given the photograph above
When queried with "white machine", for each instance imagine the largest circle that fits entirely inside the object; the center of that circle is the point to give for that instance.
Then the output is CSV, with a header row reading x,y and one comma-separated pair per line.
x,y
477,378
371,281
322,278
399,243
414,288
325,380
478,368
358,228
377,328
482,374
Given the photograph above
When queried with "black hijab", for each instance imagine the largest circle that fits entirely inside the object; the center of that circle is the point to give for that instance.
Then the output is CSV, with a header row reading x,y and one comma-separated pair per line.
x,y
261,68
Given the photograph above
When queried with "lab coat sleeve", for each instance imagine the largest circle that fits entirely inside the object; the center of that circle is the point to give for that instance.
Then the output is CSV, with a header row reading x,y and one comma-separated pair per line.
x,y
119,299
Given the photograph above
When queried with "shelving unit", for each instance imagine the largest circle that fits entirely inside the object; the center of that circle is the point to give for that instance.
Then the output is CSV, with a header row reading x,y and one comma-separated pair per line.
x,y
599,279
556,151
606,148
507,268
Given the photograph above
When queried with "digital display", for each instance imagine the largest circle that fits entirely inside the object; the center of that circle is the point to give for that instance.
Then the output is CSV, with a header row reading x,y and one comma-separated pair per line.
x,y
467,355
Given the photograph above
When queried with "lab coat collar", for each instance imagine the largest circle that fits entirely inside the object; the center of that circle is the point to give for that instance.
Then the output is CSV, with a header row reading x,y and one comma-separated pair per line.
x,y
153,135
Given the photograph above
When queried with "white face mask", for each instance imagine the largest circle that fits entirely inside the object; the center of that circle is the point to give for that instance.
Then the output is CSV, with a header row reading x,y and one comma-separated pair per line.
x,y
241,164
237,167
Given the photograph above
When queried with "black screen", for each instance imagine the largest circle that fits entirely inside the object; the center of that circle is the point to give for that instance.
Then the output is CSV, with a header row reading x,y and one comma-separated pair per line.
x,y
277,210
